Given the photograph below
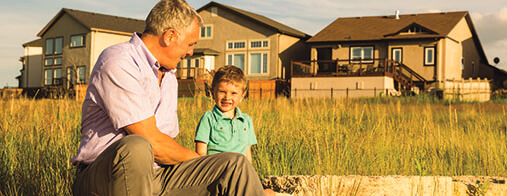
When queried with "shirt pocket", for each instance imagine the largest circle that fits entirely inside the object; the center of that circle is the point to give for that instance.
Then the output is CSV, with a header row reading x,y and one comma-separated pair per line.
x,y
220,134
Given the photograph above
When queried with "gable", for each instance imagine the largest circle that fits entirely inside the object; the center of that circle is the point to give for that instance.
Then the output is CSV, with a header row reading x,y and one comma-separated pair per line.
x,y
256,18
98,22
388,27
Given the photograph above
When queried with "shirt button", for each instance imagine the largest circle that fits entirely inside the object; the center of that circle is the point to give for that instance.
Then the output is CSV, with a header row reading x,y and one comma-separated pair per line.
x,y
245,129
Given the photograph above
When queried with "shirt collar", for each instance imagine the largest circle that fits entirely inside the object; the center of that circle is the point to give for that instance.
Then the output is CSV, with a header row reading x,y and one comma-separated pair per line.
x,y
143,51
221,115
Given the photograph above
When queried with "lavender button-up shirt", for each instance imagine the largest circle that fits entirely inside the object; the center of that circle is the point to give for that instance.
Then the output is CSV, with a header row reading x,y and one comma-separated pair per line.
x,y
123,90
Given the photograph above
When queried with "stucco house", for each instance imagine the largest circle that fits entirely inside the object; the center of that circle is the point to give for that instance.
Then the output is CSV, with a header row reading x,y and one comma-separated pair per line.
x,y
367,56
260,46
69,46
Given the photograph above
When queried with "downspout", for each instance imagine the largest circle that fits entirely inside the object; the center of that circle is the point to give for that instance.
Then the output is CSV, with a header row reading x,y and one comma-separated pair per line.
x,y
278,61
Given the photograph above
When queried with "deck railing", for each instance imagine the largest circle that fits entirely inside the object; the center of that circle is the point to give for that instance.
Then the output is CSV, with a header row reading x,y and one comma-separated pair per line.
x,y
193,73
357,67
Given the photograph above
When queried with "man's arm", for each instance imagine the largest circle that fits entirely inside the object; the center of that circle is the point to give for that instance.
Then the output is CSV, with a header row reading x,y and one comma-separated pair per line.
x,y
166,150
201,148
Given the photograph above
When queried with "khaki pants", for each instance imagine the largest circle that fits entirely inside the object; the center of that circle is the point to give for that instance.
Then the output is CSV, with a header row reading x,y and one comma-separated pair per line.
x,y
126,168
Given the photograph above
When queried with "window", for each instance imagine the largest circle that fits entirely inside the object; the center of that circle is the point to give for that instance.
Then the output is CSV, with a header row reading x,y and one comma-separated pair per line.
x,y
259,44
397,55
81,74
49,61
196,62
206,31
54,46
258,63
58,45
49,46
363,54
57,76
237,60
77,41
236,45
429,56
48,77
58,61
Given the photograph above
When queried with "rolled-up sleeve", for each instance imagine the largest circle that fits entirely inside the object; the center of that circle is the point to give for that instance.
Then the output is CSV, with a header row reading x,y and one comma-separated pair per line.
x,y
121,90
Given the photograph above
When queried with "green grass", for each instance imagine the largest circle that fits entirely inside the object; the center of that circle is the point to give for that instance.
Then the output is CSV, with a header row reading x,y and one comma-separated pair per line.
x,y
378,136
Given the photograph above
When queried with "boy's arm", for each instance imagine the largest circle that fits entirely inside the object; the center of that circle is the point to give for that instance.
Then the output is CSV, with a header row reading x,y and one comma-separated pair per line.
x,y
201,148
248,153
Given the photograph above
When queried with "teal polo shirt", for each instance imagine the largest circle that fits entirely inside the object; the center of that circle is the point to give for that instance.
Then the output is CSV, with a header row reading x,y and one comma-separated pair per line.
x,y
223,134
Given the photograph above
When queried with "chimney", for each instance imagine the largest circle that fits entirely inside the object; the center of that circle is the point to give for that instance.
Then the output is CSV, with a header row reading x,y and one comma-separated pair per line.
x,y
397,15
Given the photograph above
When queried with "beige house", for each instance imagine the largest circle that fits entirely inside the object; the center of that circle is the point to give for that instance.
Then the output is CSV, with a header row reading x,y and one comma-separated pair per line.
x,y
30,77
262,47
367,56
70,45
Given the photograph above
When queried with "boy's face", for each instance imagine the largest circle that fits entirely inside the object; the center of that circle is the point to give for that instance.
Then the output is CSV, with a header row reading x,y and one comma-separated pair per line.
x,y
228,95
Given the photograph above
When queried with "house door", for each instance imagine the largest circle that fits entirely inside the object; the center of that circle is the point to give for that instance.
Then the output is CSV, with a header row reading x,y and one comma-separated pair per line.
x,y
324,58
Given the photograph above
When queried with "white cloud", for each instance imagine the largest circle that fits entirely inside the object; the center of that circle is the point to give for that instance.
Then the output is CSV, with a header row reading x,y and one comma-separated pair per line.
x,y
502,14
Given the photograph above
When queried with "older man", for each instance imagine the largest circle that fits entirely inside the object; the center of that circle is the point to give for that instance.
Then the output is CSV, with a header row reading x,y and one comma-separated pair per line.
x,y
129,119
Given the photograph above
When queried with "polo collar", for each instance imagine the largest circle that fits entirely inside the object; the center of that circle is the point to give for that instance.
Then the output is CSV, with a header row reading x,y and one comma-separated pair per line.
x,y
216,111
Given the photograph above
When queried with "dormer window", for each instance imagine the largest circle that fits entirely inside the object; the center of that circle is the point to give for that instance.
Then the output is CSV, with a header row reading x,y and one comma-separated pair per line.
x,y
415,29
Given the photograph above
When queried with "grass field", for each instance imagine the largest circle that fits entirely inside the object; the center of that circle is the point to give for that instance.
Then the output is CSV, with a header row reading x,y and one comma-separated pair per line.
x,y
380,136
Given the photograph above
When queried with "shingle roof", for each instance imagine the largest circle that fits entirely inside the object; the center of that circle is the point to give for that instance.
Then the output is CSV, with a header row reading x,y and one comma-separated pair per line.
x,y
98,21
387,27
281,28
37,42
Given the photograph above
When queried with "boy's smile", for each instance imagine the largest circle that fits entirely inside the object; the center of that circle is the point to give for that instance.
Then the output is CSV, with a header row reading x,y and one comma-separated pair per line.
x,y
227,97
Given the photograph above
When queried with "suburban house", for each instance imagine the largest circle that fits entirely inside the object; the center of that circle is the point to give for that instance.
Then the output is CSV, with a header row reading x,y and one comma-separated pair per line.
x,y
260,46
370,56
68,47
30,77
71,42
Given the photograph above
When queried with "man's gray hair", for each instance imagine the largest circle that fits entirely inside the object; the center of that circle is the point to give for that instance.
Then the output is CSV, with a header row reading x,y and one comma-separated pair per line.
x,y
170,14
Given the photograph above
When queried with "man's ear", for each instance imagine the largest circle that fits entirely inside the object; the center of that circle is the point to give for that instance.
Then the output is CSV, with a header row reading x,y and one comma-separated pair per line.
x,y
169,36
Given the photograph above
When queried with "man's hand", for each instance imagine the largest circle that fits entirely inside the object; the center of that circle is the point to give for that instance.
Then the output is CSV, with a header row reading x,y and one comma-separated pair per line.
x,y
166,150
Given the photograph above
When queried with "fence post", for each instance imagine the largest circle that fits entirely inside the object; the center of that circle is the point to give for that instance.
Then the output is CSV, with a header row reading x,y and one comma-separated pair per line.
x,y
387,91
374,91
331,93
295,92
347,93
260,95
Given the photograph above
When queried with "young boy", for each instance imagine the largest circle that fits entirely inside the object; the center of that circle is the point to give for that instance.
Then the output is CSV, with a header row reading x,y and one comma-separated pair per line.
x,y
225,128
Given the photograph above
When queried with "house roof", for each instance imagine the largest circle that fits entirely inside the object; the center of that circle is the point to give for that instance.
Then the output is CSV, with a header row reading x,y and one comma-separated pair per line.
x,y
206,51
35,43
99,22
281,28
371,28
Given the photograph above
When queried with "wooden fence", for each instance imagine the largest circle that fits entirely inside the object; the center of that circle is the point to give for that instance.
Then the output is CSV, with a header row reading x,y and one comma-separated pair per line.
x,y
467,90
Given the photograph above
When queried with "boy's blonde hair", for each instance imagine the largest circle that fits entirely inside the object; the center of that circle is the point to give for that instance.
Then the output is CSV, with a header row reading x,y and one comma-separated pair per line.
x,y
229,73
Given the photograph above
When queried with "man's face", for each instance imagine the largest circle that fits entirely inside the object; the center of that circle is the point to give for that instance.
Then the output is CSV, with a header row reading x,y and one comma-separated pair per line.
x,y
180,45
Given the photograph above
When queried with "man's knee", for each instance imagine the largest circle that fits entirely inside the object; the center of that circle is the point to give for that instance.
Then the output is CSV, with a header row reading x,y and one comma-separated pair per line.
x,y
231,157
136,147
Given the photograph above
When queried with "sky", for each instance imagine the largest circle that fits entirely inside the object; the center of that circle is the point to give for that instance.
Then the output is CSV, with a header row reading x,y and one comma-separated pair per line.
x,y
21,20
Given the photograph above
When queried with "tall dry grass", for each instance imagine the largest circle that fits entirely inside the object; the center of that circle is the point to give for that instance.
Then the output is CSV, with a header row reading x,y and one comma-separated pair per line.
x,y
381,136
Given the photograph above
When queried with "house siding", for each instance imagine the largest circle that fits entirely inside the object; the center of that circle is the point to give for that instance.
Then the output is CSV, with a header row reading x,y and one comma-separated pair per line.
x,y
229,26
32,67
64,27
101,41
291,48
